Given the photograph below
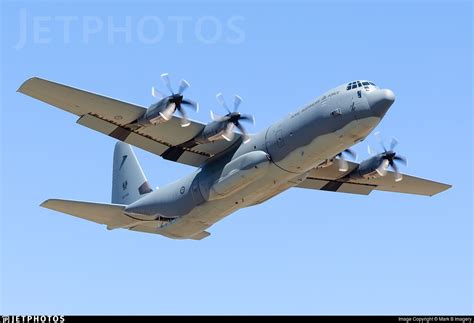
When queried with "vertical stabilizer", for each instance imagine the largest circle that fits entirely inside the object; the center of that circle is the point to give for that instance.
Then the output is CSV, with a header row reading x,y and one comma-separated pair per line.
x,y
128,181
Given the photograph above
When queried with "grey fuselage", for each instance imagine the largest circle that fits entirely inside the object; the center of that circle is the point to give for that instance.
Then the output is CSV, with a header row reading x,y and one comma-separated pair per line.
x,y
273,160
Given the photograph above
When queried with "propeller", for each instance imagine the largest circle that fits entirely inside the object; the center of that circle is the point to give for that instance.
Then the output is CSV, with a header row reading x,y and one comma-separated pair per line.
x,y
175,100
232,118
390,158
342,163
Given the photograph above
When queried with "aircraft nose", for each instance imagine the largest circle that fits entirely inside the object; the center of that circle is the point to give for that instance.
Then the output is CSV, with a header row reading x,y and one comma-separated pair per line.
x,y
380,101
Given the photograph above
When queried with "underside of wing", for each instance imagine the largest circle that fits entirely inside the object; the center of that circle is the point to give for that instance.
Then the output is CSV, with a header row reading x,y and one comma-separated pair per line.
x,y
114,118
331,179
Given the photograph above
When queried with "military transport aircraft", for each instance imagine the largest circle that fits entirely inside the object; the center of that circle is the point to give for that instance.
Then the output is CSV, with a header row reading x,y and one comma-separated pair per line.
x,y
234,169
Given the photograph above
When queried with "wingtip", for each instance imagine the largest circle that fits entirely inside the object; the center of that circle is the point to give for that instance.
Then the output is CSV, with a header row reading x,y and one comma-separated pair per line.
x,y
444,189
25,83
45,203
448,186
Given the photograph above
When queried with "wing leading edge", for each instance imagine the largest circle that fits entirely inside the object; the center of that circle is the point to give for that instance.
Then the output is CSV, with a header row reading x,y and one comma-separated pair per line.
x,y
331,179
112,117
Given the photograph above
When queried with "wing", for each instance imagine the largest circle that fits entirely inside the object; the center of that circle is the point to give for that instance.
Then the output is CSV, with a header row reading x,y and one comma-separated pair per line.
x,y
331,179
111,117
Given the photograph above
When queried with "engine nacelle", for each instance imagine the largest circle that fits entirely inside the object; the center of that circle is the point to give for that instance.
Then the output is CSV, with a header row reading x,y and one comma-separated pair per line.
x,y
373,167
214,131
159,112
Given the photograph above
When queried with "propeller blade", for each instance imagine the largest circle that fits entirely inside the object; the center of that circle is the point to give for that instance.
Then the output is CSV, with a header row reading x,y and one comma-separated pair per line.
x,y
185,122
397,175
164,116
167,113
184,117
244,133
221,101
401,159
237,102
393,143
382,169
378,136
351,153
183,85
166,80
342,163
247,117
192,104
215,116
156,94
370,151
228,133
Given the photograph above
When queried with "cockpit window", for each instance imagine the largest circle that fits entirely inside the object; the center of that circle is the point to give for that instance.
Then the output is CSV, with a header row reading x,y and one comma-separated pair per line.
x,y
356,84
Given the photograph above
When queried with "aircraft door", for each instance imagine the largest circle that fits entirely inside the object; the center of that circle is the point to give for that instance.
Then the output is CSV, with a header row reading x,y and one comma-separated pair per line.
x,y
275,142
196,191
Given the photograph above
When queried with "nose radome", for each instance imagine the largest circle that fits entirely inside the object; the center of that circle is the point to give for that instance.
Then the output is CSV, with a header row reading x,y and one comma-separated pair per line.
x,y
380,101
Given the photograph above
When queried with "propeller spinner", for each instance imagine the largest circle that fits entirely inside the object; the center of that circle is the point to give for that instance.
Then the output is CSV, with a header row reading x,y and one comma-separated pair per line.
x,y
232,118
175,101
390,158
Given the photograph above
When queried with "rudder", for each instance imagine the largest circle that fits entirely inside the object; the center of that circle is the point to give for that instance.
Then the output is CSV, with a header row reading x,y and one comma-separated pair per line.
x,y
128,181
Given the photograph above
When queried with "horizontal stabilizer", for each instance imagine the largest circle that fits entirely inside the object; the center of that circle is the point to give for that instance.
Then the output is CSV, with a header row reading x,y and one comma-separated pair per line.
x,y
201,235
109,214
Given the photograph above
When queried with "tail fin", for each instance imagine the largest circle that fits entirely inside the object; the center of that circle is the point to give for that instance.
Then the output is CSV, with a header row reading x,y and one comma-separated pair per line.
x,y
128,181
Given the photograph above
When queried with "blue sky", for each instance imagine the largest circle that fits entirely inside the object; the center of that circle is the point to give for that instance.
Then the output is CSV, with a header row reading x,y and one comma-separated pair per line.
x,y
303,252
